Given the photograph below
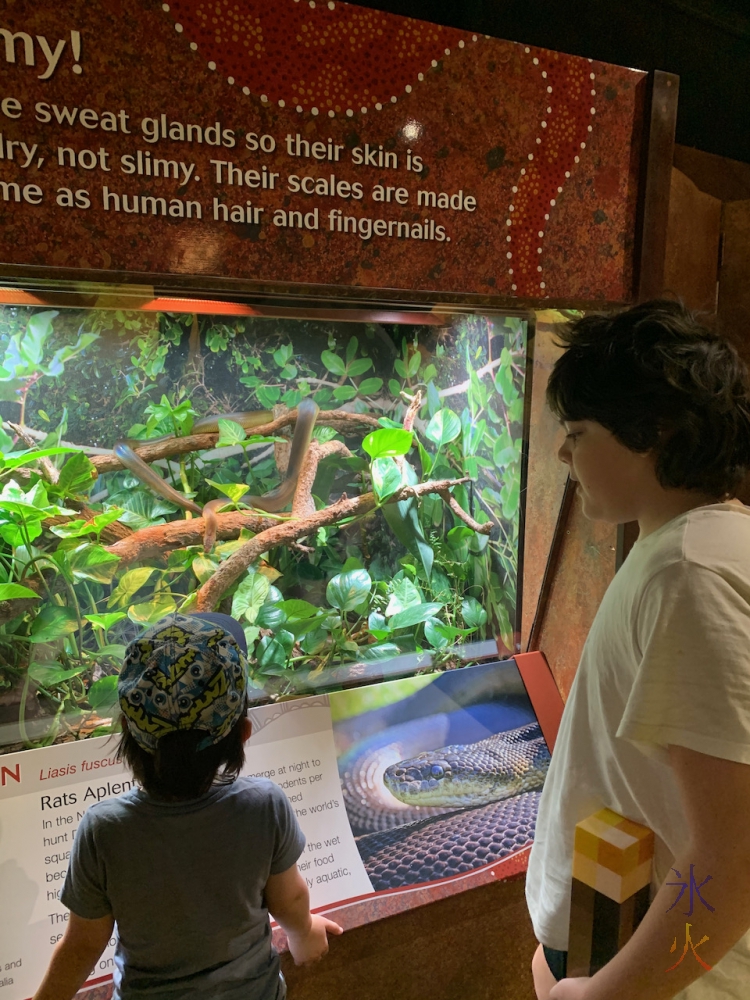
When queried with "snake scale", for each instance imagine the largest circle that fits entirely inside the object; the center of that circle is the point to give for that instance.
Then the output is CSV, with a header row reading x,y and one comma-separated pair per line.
x,y
444,811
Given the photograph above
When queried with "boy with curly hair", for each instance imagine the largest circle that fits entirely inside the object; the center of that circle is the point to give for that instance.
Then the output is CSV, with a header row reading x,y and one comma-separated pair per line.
x,y
190,864
656,412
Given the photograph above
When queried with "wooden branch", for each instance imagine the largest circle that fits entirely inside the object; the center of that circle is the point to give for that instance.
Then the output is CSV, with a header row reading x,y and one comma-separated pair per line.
x,y
209,595
51,472
153,542
303,504
455,506
414,407
341,420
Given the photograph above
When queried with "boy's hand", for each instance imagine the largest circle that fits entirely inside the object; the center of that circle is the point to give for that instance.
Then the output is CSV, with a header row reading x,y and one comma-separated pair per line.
x,y
312,946
571,989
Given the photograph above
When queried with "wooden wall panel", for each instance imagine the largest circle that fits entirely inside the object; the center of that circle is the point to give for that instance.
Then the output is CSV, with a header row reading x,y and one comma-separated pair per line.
x,y
693,237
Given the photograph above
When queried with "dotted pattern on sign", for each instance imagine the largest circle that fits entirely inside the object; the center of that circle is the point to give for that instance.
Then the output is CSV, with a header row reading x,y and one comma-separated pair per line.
x,y
570,89
320,58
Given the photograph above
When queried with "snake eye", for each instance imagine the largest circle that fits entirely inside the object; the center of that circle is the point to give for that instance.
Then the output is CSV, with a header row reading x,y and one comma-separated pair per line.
x,y
437,771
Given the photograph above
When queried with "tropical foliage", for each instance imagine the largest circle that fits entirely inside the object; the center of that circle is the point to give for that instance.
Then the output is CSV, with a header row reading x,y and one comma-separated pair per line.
x,y
410,576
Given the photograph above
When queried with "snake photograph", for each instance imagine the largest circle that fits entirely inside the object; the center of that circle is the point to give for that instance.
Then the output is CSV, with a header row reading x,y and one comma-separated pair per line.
x,y
445,780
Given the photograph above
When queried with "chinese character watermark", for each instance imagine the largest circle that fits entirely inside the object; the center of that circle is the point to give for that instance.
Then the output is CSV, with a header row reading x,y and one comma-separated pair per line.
x,y
694,889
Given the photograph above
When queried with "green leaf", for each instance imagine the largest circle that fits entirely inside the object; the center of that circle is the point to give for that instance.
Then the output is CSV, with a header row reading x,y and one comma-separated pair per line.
x,y
79,527
270,653
369,386
414,362
115,650
92,562
400,368
11,591
359,367
388,442
414,615
151,611
286,639
386,477
403,595
235,491
105,621
204,568
438,634
49,674
130,584
314,641
76,476
53,622
230,432
103,695
473,613
394,387
297,610
348,590
445,426
351,349
333,362
403,520
343,393
15,461
383,651
270,615
249,596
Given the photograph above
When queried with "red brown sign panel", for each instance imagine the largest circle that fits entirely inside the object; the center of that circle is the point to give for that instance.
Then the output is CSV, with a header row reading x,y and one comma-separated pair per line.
x,y
312,142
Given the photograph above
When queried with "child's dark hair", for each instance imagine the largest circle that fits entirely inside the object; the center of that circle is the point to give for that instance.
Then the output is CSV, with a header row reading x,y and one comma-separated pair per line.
x,y
659,380
177,770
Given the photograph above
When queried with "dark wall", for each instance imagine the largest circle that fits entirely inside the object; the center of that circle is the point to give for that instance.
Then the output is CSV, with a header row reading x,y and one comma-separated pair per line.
x,y
706,42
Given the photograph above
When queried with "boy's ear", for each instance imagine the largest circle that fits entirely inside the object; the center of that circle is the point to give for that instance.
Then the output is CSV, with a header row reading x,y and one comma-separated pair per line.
x,y
247,729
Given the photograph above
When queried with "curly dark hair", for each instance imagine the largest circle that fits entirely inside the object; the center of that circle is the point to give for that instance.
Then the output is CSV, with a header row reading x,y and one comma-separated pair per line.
x,y
178,771
659,380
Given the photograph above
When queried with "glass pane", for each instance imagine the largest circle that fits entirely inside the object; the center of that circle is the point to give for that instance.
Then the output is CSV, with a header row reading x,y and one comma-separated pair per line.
x,y
92,550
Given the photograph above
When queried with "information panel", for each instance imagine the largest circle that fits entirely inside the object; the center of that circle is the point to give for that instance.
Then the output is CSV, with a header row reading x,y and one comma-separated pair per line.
x,y
363,770
317,143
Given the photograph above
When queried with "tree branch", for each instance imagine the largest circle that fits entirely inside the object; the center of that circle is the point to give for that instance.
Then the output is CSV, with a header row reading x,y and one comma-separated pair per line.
x,y
341,420
455,506
153,542
209,595
303,504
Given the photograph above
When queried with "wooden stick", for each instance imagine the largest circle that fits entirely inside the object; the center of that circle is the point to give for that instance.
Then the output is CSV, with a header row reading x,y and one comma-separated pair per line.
x,y
455,506
209,595
341,420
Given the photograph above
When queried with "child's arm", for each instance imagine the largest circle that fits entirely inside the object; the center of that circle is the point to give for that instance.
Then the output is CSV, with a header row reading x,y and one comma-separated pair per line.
x,y
716,793
74,957
288,902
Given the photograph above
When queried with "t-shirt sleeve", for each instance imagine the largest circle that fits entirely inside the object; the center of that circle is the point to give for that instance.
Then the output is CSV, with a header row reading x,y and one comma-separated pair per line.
x,y
84,891
692,686
289,841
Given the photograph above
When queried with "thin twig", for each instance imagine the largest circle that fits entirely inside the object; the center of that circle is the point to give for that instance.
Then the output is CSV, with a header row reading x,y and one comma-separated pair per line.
x,y
454,390
455,506
51,472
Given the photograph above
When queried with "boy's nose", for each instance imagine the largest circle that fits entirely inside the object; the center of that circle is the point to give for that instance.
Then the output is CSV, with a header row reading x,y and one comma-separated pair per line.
x,y
563,453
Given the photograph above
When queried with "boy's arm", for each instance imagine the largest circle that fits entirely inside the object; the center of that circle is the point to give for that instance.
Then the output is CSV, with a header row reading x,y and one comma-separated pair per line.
x,y
716,794
288,902
74,957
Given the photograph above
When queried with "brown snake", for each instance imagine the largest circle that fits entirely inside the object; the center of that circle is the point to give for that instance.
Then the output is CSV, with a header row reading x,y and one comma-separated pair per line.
x,y
273,501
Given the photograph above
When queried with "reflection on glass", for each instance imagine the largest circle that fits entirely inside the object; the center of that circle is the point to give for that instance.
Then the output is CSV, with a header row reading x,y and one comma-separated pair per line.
x,y
93,545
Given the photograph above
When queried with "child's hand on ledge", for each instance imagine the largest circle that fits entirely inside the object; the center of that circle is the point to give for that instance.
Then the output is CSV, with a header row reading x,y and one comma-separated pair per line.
x,y
308,948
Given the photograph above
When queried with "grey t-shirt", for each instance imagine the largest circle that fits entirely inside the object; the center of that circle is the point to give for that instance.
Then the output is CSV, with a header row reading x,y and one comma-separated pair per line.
x,y
185,883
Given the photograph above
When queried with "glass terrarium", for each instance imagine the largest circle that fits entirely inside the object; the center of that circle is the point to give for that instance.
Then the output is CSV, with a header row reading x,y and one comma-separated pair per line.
x,y
390,444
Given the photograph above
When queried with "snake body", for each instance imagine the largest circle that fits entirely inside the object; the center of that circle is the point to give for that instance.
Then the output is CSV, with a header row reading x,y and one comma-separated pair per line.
x,y
443,811
272,501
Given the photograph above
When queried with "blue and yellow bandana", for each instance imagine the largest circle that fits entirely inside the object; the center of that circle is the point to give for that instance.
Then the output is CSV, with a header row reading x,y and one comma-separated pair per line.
x,y
182,673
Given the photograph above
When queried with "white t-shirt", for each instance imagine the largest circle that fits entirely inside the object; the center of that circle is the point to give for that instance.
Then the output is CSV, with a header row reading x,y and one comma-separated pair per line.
x,y
667,660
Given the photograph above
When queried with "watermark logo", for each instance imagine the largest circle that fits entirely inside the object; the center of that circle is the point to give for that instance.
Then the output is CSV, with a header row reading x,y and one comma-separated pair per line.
x,y
694,889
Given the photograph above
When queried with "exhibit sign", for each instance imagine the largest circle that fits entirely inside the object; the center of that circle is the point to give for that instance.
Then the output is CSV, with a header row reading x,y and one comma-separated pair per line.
x,y
312,143
406,791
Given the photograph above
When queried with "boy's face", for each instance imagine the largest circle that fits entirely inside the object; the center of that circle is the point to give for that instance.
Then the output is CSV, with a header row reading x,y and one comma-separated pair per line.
x,y
613,481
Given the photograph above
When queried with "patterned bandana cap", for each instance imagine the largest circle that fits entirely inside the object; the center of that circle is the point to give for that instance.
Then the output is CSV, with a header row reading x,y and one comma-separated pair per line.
x,y
182,673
